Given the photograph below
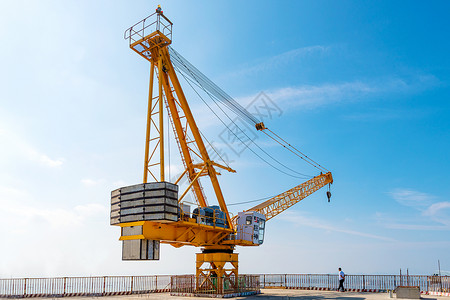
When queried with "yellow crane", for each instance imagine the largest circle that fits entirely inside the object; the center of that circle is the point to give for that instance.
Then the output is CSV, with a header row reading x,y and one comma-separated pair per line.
x,y
153,212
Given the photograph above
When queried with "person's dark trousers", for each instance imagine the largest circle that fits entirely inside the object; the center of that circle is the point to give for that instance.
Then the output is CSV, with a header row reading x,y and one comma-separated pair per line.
x,y
341,285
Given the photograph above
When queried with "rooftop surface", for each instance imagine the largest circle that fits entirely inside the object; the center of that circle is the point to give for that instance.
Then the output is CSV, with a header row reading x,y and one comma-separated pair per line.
x,y
272,294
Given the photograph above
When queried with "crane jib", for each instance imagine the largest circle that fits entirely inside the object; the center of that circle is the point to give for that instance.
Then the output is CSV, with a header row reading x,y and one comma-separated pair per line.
x,y
283,201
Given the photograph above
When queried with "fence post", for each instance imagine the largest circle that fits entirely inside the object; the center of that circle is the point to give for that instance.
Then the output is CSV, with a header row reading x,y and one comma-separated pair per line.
x,y
131,287
25,287
285,280
156,282
264,280
64,292
364,282
104,285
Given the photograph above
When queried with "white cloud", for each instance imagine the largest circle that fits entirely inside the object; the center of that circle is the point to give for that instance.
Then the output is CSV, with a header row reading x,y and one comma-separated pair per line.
x,y
120,183
52,163
283,59
90,209
19,205
17,146
386,114
321,224
439,212
11,193
415,227
436,208
92,182
412,198
312,96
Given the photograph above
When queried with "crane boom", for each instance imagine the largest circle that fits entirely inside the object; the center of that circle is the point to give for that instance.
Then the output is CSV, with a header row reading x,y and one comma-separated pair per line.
x,y
283,201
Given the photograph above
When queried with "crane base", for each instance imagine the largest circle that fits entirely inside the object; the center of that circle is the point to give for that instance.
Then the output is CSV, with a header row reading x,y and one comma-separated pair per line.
x,y
217,272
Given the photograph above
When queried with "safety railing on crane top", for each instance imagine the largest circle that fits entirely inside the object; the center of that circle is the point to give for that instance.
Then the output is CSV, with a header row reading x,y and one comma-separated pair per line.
x,y
152,23
127,285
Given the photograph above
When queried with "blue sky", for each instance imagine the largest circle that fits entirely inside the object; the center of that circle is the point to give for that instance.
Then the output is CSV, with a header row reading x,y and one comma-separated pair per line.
x,y
361,87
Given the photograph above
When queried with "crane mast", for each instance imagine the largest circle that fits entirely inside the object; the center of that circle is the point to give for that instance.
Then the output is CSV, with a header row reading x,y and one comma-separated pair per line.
x,y
153,211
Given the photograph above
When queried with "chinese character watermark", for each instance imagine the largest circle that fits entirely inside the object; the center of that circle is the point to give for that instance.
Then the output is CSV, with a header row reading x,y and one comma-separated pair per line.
x,y
239,135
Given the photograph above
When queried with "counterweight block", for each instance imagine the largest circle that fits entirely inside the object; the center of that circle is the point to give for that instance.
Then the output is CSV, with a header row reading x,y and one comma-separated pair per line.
x,y
156,201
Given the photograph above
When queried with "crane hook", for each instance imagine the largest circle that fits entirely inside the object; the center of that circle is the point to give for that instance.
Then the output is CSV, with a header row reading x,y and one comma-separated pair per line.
x,y
329,193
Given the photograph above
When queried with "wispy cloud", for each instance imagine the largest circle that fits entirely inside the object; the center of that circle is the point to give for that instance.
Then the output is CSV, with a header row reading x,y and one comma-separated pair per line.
x,y
412,198
437,208
92,182
439,212
18,146
415,227
44,159
321,224
427,207
283,59
17,205
313,96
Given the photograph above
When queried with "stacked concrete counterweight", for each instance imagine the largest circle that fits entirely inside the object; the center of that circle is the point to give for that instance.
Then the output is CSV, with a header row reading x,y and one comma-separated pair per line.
x,y
156,201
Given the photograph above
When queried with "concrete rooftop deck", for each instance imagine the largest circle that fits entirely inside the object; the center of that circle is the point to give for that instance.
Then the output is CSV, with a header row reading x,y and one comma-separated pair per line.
x,y
267,294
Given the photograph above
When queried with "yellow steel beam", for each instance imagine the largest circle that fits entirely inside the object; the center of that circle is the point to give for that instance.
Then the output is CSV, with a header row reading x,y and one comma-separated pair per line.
x,y
212,265
150,43
197,136
283,201
181,176
161,119
192,182
149,121
181,134
181,232
217,165
223,167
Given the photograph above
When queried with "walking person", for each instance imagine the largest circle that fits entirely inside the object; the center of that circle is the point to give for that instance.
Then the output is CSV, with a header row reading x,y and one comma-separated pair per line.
x,y
341,280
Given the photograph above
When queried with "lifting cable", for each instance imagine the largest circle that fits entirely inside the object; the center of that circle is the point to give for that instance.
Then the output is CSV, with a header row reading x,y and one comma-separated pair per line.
x,y
184,67
250,201
214,149
295,151
210,87
188,80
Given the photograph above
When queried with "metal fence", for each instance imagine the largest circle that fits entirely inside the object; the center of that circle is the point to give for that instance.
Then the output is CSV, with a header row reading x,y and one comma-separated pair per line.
x,y
83,286
356,282
190,285
187,284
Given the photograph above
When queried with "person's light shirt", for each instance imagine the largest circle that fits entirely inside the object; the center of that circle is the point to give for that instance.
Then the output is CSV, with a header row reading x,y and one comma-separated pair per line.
x,y
341,275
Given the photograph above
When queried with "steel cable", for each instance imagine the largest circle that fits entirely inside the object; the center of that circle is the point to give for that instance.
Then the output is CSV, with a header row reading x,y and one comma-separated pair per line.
x,y
242,131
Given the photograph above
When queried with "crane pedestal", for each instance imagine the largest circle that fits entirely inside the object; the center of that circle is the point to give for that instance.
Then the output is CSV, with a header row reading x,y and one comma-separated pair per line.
x,y
217,271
